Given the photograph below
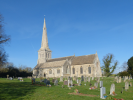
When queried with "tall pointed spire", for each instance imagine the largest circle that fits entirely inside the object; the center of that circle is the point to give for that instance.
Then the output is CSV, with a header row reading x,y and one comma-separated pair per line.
x,y
44,44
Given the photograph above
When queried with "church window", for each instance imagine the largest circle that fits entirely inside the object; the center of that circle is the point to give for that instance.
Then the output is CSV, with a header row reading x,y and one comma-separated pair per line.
x,y
89,70
67,69
50,71
58,71
73,70
81,70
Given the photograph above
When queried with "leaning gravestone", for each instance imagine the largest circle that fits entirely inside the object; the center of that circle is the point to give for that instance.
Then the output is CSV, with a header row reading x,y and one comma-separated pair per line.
x,y
82,78
10,78
56,82
126,86
61,79
112,89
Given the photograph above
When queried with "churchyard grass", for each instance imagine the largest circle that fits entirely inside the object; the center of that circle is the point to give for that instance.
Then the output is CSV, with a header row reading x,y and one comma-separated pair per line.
x,y
16,90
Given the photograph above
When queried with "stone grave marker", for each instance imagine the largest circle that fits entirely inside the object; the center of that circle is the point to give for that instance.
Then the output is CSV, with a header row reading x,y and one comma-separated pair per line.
x,y
130,84
7,76
56,82
119,79
85,79
126,86
82,78
79,82
98,80
10,78
53,80
101,84
61,79
65,82
96,84
89,79
92,78
74,78
112,89
102,92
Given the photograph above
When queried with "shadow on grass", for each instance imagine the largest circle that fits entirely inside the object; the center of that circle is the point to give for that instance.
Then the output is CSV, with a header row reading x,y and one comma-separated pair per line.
x,y
16,90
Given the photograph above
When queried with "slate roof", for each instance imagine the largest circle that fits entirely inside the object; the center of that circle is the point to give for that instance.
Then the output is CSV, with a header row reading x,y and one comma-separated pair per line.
x,y
87,59
51,64
58,59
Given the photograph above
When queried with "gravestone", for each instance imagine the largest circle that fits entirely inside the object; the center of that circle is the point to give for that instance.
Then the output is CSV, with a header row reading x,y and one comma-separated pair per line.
x,y
89,79
96,84
130,84
61,79
101,84
119,79
82,78
126,86
7,76
92,78
53,80
102,92
10,78
47,82
98,80
33,79
112,89
79,82
56,82
74,78
85,79
65,82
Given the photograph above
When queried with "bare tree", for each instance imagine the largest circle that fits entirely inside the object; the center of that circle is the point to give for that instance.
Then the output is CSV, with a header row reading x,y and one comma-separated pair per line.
x,y
3,39
124,66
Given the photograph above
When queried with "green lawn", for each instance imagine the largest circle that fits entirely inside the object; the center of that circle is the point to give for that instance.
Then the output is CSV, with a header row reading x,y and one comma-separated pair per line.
x,y
16,90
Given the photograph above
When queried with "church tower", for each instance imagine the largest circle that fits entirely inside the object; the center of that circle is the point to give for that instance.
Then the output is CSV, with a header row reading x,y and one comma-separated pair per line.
x,y
44,53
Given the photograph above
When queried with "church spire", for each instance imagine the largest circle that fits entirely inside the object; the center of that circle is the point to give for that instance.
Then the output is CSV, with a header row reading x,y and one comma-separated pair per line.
x,y
44,44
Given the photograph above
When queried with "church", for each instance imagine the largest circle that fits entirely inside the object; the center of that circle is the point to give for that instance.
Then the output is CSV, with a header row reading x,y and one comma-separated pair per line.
x,y
86,65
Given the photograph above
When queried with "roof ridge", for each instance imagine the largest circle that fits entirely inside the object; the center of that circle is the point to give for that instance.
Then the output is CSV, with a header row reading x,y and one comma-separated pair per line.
x,y
85,55
61,57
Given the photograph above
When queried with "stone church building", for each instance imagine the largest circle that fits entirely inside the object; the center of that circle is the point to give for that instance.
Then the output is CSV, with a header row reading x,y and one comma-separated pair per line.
x,y
87,65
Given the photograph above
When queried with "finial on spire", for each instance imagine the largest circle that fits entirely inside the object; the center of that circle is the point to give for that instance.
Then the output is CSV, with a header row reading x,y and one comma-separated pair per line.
x,y
96,52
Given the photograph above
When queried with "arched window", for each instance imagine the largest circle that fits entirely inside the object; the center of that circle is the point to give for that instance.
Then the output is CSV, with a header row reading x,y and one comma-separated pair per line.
x,y
58,71
73,70
50,71
89,69
67,69
81,70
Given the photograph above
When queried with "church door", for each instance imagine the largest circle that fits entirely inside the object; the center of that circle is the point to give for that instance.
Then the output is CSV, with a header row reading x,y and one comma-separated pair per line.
x,y
44,75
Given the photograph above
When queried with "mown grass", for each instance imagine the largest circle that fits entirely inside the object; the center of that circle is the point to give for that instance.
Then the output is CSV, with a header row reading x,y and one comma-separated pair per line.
x,y
16,90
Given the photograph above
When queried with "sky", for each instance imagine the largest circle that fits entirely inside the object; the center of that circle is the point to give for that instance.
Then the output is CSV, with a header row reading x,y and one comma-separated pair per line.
x,y
79,27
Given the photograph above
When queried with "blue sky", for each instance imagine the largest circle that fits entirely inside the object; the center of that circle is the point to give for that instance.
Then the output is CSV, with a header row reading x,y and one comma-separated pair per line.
x,y
73,26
